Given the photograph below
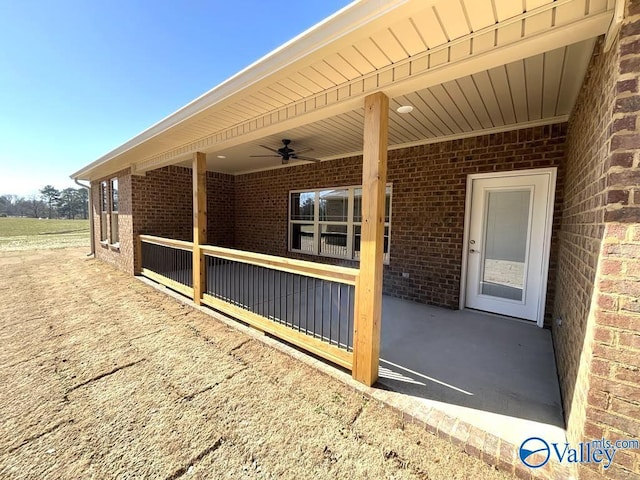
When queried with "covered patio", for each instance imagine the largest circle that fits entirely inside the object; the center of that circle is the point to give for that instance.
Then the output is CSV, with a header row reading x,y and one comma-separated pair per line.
x,y
493,372
392,111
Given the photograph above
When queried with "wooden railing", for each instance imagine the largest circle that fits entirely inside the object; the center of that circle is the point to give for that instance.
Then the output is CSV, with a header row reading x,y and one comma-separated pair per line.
x,y
166,261
308,304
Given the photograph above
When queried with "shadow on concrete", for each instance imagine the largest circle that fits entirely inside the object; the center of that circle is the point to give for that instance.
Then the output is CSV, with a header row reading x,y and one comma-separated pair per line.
x,y
470,359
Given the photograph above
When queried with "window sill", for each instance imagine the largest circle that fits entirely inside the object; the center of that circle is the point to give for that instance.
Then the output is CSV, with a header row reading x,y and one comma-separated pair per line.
x,y
104,243
114,246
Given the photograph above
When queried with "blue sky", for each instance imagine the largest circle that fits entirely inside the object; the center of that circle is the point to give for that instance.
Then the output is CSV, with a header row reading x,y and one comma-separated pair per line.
x,y
80,77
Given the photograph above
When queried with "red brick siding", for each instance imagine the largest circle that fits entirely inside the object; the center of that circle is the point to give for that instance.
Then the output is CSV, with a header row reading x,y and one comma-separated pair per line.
x,y
220,209
162,203
429,187
581,231
598,285
122,257
613,395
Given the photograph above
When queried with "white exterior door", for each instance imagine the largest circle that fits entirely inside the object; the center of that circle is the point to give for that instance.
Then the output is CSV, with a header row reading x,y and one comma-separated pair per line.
x,y
507,242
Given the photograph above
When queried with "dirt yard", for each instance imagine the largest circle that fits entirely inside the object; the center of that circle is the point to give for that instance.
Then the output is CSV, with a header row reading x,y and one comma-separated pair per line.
x,y
102,377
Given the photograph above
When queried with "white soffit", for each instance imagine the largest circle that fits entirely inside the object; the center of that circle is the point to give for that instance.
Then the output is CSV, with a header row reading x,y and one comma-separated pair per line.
x,y
531,91
462,53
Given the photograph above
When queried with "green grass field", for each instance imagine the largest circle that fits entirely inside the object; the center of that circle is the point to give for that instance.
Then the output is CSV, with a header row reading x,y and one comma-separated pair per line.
x,y
33,233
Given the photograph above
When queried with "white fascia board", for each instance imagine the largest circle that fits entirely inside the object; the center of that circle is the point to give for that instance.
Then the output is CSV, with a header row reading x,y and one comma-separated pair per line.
x,y
347,20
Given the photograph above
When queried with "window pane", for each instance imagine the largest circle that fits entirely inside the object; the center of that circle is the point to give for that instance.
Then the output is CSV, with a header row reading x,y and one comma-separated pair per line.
x,y
115,236
103,196
333,240
357,204
333,205
103,226
357,233
506,236
302,237
302,205
114,194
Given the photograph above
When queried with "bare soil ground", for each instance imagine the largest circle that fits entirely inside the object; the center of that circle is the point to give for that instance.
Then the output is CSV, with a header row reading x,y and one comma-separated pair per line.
x,y
102,376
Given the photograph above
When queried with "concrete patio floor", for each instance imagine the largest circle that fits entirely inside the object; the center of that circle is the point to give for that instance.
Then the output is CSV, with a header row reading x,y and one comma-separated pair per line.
x,y
495,373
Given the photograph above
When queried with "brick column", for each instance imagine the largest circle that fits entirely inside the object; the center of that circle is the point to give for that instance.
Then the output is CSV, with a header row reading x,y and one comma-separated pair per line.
x,y
613,395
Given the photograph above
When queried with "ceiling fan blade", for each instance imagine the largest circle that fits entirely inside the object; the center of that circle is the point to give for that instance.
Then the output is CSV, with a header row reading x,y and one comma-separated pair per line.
x,y
265,156
271,149
304,150
301,157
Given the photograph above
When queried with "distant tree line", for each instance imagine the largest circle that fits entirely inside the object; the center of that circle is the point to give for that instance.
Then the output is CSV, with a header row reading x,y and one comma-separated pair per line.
x,y
70,203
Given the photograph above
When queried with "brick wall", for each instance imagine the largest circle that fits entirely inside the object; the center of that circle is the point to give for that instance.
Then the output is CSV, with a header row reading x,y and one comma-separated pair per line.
x,y
429,188
220,209
162,203
613,395
581,234
597,345
122,257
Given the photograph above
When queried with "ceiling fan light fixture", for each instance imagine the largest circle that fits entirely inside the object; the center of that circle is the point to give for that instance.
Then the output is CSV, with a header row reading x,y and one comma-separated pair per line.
x,y
404,109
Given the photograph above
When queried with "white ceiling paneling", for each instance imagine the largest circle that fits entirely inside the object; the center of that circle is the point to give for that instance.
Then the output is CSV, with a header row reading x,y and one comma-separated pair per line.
x,y
524,91
428,26
474,98
487,93
373,53
553,67
406,33
506,9
458,97
387,42
480,13
453,19
534,71
518,88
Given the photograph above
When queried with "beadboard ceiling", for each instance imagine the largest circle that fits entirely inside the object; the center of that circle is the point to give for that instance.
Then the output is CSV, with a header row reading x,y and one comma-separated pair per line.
x,y
519,93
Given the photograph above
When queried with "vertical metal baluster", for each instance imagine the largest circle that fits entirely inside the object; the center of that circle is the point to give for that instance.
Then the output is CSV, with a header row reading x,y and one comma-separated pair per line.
x,y
279,296
261,295
299,302
315,293
253,288
339,311
273,287
330,311
218,277
286,298
245,297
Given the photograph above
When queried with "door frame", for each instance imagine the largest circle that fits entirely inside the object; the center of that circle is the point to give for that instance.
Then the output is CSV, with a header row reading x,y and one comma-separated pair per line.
x,y
552,173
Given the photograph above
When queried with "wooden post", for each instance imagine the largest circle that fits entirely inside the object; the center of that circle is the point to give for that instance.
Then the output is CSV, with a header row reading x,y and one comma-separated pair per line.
x,y
368,307
137,258
199,223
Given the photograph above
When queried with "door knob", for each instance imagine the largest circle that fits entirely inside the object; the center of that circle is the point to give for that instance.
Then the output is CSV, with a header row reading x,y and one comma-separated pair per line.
x,y
473,250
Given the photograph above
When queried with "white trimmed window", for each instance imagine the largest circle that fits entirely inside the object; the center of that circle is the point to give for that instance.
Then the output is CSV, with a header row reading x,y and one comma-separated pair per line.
x,y
327,222
115,234
104,211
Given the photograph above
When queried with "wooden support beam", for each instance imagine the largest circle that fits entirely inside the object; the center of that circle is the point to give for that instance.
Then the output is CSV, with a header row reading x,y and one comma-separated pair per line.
x,y
137,258
368,307
199,223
